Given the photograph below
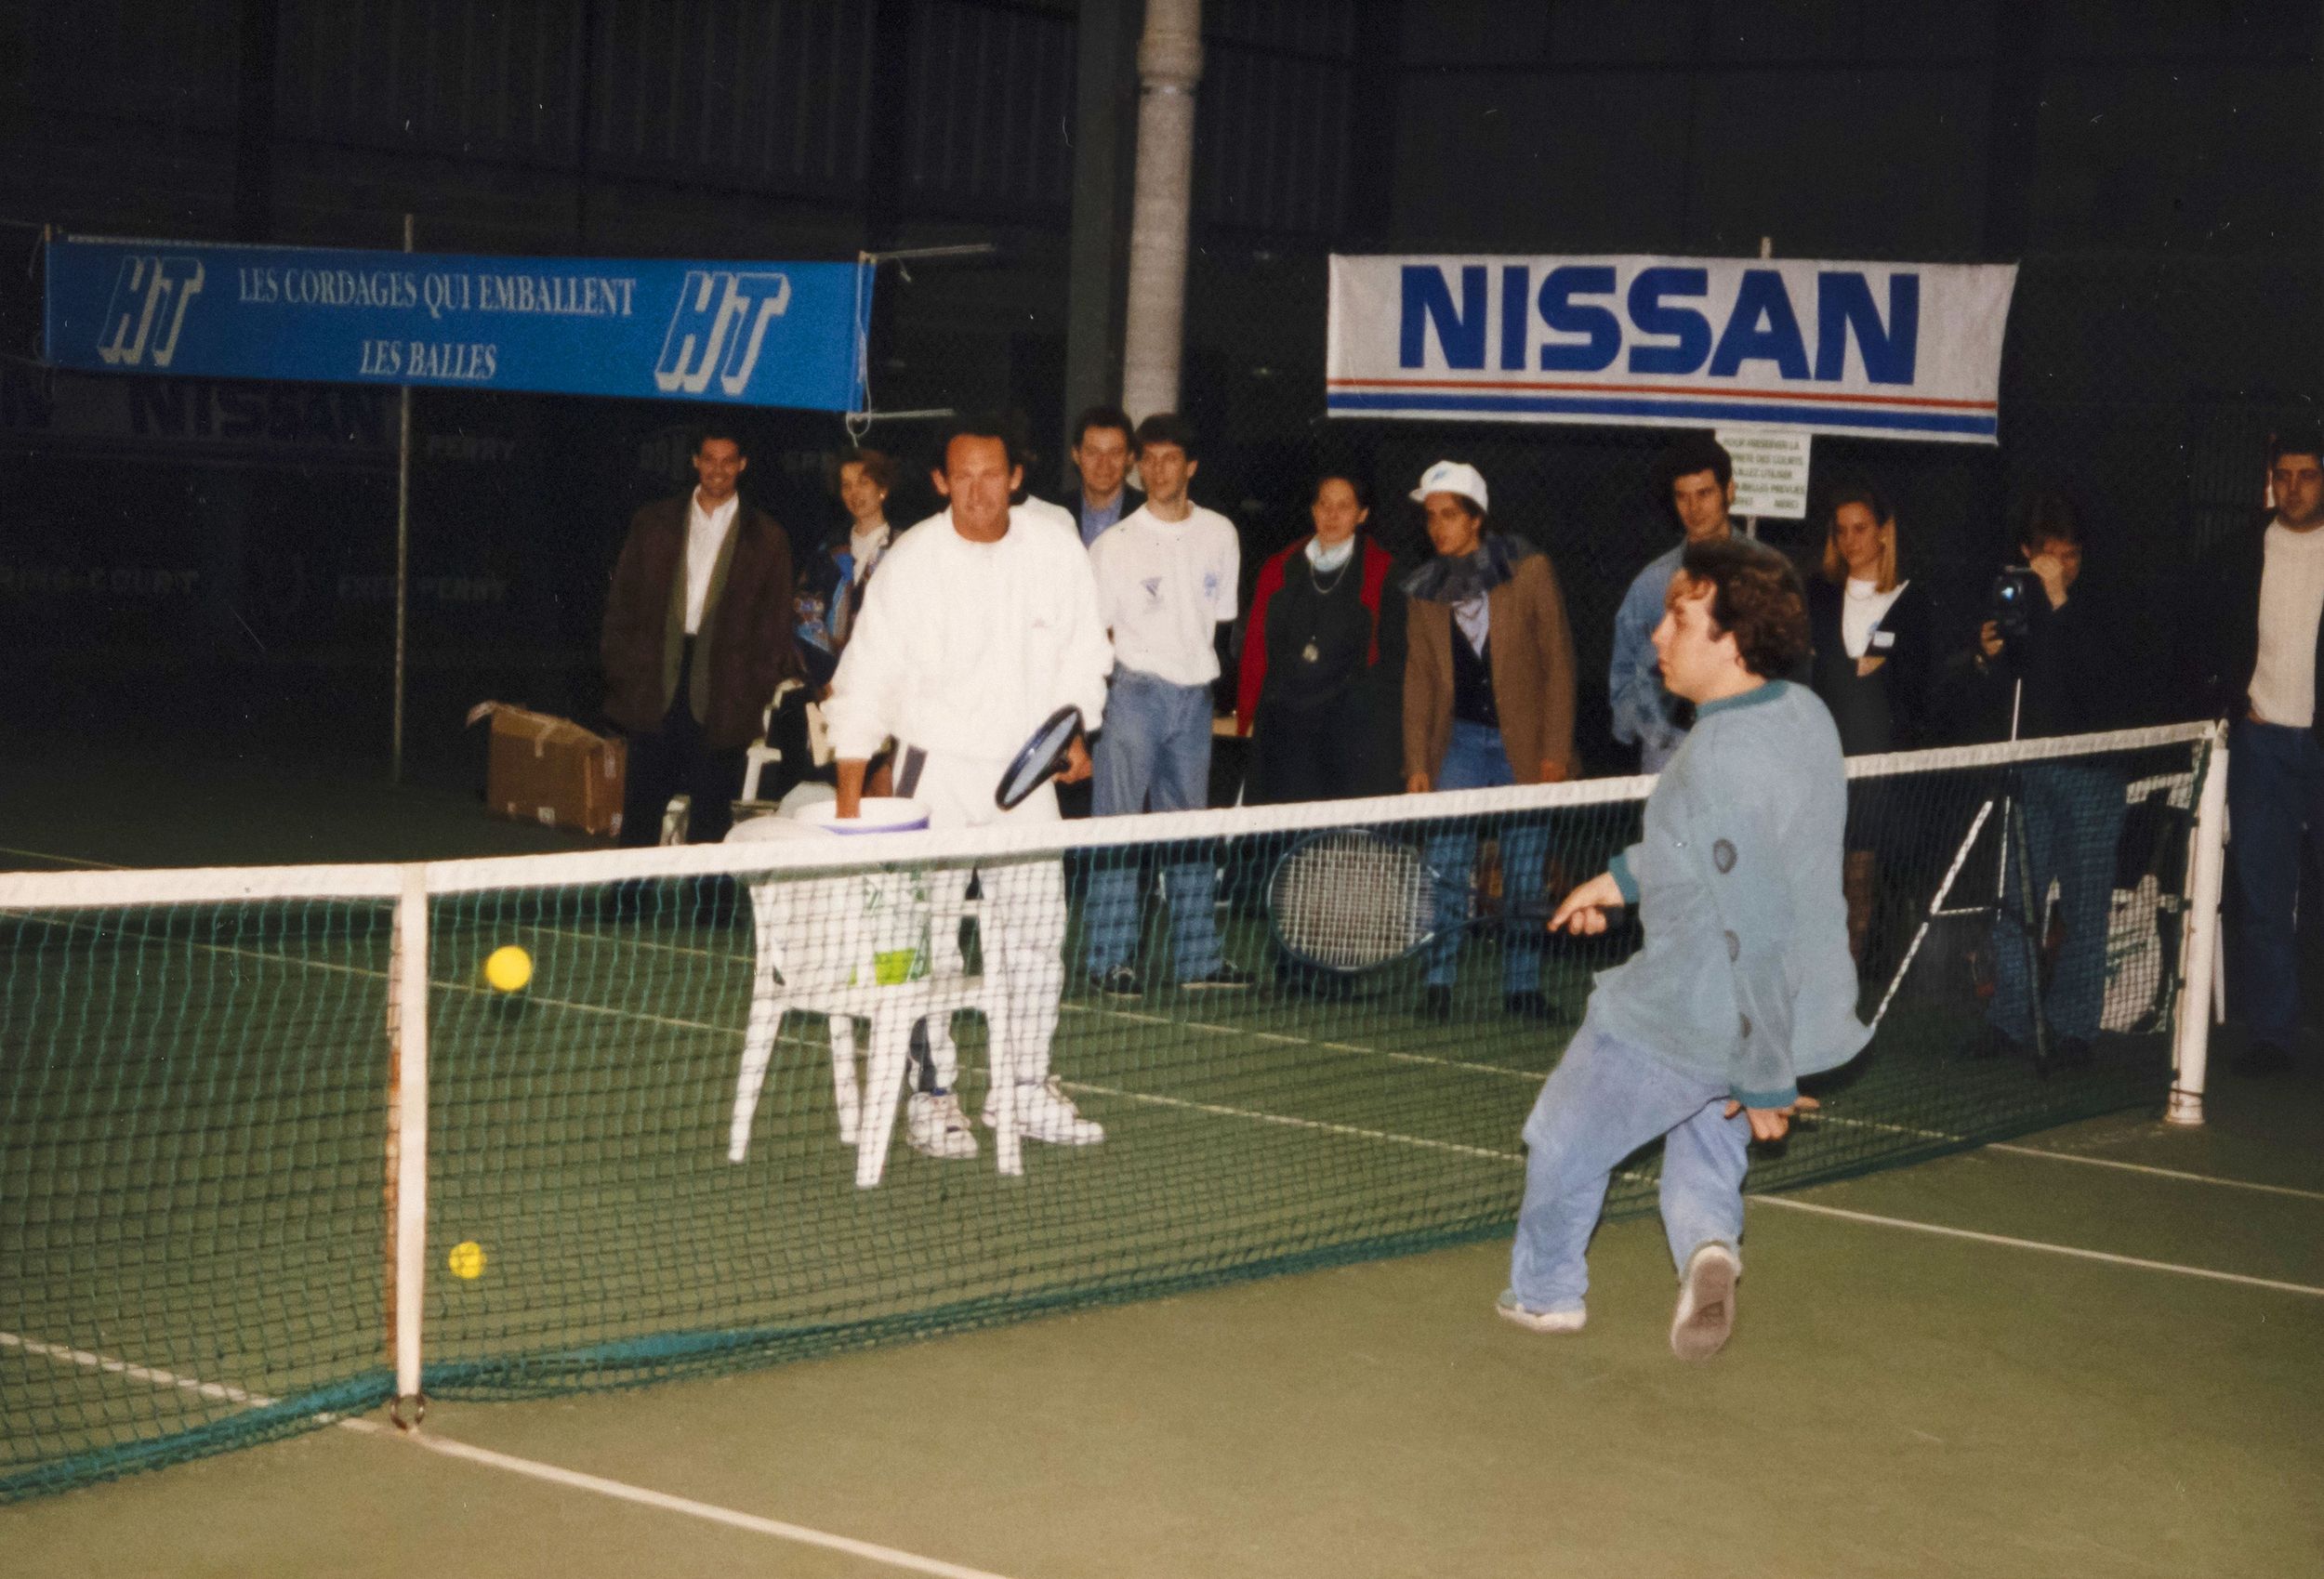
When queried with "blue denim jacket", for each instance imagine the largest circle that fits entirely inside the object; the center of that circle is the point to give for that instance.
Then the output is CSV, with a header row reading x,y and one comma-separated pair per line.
x,y
1645,715
1745,978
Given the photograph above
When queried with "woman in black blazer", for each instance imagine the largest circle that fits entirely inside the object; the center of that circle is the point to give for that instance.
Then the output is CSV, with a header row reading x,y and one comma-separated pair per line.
x,y
1871,668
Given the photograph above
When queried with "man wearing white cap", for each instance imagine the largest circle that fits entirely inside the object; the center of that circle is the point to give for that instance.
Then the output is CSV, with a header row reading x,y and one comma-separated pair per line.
x,y
1488,699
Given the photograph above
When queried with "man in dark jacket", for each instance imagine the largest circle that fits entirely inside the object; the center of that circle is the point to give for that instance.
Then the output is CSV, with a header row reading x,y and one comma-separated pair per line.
x,y
697,637
2258,661
1100,451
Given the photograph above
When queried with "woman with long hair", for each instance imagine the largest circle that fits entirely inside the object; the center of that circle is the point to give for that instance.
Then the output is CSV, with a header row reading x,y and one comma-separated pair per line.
x,y
1869,626
1322,675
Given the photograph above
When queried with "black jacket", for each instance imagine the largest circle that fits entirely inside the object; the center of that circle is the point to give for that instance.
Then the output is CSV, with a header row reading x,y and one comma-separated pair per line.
x,y
2072,661
1888,711
1070,501
2221,644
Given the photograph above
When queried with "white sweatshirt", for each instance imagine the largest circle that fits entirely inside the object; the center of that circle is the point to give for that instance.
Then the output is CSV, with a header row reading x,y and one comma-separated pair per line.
x,y
964,648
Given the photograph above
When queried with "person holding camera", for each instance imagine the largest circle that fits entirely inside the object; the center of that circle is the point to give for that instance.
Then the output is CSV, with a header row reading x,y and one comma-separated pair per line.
x,y
2045,663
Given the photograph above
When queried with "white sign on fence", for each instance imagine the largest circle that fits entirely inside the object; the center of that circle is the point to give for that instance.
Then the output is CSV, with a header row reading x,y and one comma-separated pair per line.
x,y
1770,470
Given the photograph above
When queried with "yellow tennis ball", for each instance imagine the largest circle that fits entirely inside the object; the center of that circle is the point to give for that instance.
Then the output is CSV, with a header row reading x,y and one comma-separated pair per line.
x,y
508,968
466,1260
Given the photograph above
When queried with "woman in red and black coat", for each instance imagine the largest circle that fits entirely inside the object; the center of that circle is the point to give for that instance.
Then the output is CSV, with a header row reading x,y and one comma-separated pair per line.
x,y
1322,681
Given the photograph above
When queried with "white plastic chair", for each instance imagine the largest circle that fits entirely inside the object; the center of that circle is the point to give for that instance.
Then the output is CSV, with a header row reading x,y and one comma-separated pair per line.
x,y
816,951
759,755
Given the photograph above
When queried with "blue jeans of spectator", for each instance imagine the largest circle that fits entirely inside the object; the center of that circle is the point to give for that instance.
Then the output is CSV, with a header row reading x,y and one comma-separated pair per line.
x,y
1605,1098
2073,815
1154,755
2275,792
1476,759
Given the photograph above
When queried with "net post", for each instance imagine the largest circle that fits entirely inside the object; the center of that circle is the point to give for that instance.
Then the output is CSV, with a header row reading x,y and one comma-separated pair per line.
x,y
407,1144
2191,1043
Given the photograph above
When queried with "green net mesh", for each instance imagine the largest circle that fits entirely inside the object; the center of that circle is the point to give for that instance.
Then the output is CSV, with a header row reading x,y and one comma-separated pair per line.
x,y
686,1142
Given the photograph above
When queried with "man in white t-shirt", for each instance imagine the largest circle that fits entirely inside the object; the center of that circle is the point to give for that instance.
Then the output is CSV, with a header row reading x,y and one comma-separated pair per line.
x,y
1167,574
981,623
2261,658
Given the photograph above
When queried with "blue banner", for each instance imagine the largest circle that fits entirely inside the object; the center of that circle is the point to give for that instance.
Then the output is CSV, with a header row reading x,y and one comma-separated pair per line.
x,y
747,333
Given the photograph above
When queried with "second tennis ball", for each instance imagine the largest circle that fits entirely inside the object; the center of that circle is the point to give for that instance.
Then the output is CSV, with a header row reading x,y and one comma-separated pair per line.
x,y
508,970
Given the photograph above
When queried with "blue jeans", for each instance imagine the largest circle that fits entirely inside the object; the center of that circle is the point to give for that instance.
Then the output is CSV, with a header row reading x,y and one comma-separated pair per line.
x,y
1476,759
2274,791
1154,755
2073,815
1605,1098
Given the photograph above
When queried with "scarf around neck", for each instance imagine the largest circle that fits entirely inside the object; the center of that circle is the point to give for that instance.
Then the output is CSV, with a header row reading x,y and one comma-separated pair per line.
x,y
1474,575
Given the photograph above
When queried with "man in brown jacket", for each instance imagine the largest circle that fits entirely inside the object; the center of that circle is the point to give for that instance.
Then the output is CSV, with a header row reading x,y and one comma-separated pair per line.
x,y
1488,699
697,637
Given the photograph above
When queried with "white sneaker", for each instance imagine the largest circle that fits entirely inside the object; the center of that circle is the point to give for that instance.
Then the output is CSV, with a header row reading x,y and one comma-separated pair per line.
x,y
1706,1312
934,1126
1044,1112
1540,1321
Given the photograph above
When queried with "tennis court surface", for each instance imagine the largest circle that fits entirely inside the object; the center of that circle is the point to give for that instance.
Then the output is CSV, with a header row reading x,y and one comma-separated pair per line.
x,y
2088,1348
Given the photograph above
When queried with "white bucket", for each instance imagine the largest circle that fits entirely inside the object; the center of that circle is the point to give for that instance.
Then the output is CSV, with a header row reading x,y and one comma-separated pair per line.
x,y
880,814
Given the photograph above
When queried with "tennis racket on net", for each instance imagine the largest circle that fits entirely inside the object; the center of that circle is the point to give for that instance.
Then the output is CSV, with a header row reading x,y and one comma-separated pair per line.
x,y
1038,759
1350,901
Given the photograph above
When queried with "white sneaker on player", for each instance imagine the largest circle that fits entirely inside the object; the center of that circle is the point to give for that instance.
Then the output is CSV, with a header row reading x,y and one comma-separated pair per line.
x,y
1706,1312
934,1126
1510,1308
1044,1112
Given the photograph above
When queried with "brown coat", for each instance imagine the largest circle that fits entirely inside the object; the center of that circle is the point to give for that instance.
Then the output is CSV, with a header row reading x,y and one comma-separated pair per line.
x,y
746,620
1532,650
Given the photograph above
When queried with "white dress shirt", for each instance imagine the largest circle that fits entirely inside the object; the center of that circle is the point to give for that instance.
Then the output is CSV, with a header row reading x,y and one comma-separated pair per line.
x,y
705,531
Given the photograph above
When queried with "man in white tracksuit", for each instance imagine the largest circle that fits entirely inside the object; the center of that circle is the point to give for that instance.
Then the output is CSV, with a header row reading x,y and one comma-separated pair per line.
x,y
982,623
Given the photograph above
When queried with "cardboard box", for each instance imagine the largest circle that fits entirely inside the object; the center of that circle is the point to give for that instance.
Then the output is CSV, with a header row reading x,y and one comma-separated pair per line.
x,y
551,770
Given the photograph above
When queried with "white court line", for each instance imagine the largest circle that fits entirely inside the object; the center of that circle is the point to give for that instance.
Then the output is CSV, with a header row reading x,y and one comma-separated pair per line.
x,y
1393,1056
1792,1203
621,1491
2152,1171
450,1447
1288,1122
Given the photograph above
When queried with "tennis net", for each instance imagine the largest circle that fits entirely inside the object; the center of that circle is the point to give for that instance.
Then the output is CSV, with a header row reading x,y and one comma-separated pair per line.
x,y
275,1147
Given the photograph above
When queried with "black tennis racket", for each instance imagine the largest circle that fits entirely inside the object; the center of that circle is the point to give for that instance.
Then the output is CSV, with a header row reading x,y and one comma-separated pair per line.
x,y
1350,901
1040,759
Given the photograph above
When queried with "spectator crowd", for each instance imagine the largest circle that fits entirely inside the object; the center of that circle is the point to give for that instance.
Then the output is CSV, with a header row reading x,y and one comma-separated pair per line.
x,y
1350,674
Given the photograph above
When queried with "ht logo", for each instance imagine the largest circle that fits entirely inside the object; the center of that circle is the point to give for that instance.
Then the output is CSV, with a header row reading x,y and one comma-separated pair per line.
x,y
721,322
151,294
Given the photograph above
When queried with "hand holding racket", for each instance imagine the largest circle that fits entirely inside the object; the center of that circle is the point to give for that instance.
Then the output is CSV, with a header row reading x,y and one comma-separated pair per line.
x,y
1053,751
1771,1124
1583,913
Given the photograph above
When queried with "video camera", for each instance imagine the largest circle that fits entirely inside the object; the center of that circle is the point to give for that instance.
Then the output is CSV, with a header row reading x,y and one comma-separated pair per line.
x,y
2017,592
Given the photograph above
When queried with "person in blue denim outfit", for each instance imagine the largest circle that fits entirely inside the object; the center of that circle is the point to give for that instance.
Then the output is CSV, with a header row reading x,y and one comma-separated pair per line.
x,y
1744,983
1488,701
1700,476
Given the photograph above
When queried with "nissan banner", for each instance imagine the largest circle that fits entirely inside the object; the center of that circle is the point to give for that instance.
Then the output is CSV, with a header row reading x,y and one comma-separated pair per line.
x,y
1895,350
749,333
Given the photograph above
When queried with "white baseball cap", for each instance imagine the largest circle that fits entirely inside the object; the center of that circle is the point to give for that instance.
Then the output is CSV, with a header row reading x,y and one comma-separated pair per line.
x,y
1453,476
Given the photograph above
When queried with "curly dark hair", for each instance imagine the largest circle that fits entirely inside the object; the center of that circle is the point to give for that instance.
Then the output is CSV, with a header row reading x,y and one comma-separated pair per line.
x,y
1755,597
